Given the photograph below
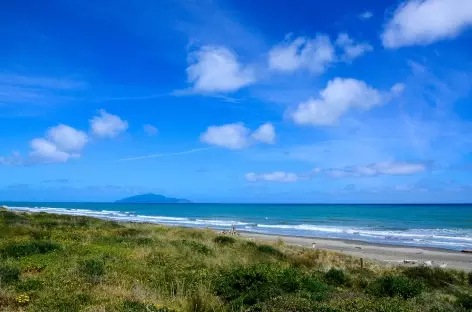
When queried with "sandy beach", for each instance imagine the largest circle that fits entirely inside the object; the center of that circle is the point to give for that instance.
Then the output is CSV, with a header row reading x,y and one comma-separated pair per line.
x,y
393,255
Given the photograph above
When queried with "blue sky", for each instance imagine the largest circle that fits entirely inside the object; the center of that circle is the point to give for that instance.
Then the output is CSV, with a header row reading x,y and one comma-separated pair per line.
x,y
237,101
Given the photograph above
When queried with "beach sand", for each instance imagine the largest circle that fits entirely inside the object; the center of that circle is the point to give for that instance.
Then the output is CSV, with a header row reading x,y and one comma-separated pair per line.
x,y
387,254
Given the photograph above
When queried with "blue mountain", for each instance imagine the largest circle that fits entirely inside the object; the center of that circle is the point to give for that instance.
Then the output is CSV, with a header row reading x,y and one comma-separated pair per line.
x,y
152,199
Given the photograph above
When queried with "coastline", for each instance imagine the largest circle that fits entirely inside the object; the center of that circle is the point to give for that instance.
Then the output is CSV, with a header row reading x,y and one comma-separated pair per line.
x,y
382,253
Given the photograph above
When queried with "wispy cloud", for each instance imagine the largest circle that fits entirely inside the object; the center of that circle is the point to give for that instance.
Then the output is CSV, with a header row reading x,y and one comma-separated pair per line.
x,y
167,154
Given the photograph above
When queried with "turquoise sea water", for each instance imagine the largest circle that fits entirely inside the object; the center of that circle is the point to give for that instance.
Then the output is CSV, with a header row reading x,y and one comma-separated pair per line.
x,y
442,226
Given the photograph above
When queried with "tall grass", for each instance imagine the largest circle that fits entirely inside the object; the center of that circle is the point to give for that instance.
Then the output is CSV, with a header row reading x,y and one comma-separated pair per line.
x,y
66,263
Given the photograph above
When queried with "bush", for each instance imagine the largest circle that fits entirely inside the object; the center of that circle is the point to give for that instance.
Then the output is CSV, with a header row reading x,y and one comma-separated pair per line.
x,y
291,304
136,306
270,250
18,250
93,269
336,277
469,276
393,286
30,284
434,277
12,218
9,274
465,302
197,246
224,240
246,286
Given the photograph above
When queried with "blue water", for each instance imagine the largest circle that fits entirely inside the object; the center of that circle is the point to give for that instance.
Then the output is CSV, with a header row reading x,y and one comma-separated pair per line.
x,y
441,226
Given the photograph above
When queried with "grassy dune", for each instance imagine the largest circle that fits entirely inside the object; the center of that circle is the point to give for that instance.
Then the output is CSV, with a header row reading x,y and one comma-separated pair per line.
x,y
64,263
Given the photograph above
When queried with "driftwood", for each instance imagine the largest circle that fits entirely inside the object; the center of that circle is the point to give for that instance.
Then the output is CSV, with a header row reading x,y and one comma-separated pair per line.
x,y
466,251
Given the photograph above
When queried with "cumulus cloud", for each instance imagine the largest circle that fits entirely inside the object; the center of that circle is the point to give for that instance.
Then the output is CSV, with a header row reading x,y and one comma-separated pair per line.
x,y
237,136
421,22
67,138
45,151
376,169
351,49
150,129
366,15
217,69
265,133
232,136
276,176
313,54
107,125
337,98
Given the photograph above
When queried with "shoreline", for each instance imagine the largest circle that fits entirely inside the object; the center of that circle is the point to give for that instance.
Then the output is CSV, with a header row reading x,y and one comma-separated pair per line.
x,y
382,253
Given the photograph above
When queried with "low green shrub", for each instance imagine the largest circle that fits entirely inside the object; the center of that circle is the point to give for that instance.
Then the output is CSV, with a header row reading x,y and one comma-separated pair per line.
x,y
393,286
224,240
464,301
12,218
93,269
270,250
434,277
196,246
23,249
9,274
336,277
136,306
469,277
246,286
30,284
291,304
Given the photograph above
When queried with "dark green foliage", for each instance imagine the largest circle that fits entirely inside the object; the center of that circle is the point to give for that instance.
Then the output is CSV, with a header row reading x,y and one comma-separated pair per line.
x,y
30,284
126,232
291,304
336,277
224,240
393,286
270,250
434,277
9,274
251,285
18,250
93,269
196,246
12,218
61,302
465,302
136,306
469,277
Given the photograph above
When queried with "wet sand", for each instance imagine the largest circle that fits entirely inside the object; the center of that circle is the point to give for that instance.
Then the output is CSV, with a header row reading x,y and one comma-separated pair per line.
x,y
388,254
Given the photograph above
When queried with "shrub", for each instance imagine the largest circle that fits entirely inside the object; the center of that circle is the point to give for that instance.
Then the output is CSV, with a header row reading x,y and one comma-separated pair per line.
x,y
247,286
18,250
393,286
136,306
93,269
197,246
469,276
30,284
291,304
434,277
12,218
270,250
9,274
224,240
336,277
465,302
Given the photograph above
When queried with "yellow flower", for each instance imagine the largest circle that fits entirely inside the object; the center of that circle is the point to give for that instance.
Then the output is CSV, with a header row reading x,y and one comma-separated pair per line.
x,y
23,299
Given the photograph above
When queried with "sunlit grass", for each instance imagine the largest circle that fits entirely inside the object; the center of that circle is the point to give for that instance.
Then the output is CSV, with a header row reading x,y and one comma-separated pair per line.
x,y
65,263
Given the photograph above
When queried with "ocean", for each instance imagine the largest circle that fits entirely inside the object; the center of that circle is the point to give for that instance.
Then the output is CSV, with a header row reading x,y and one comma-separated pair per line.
x,y
440,226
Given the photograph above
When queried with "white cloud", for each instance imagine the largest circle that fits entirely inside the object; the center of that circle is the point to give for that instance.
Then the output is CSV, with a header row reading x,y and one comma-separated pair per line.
x,y
150,129
337,98
276,176
397,88
351,49
45,151
375,169
314,54
217,69
232,136
67,138
421,22
265,133
366,15
237,136
107,125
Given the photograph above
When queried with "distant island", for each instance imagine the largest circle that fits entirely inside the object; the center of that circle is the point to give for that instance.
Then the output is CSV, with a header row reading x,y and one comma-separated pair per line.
x,y
152,199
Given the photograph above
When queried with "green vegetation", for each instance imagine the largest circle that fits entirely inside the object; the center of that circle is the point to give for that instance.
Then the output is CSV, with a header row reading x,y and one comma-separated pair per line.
x,y
66,263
